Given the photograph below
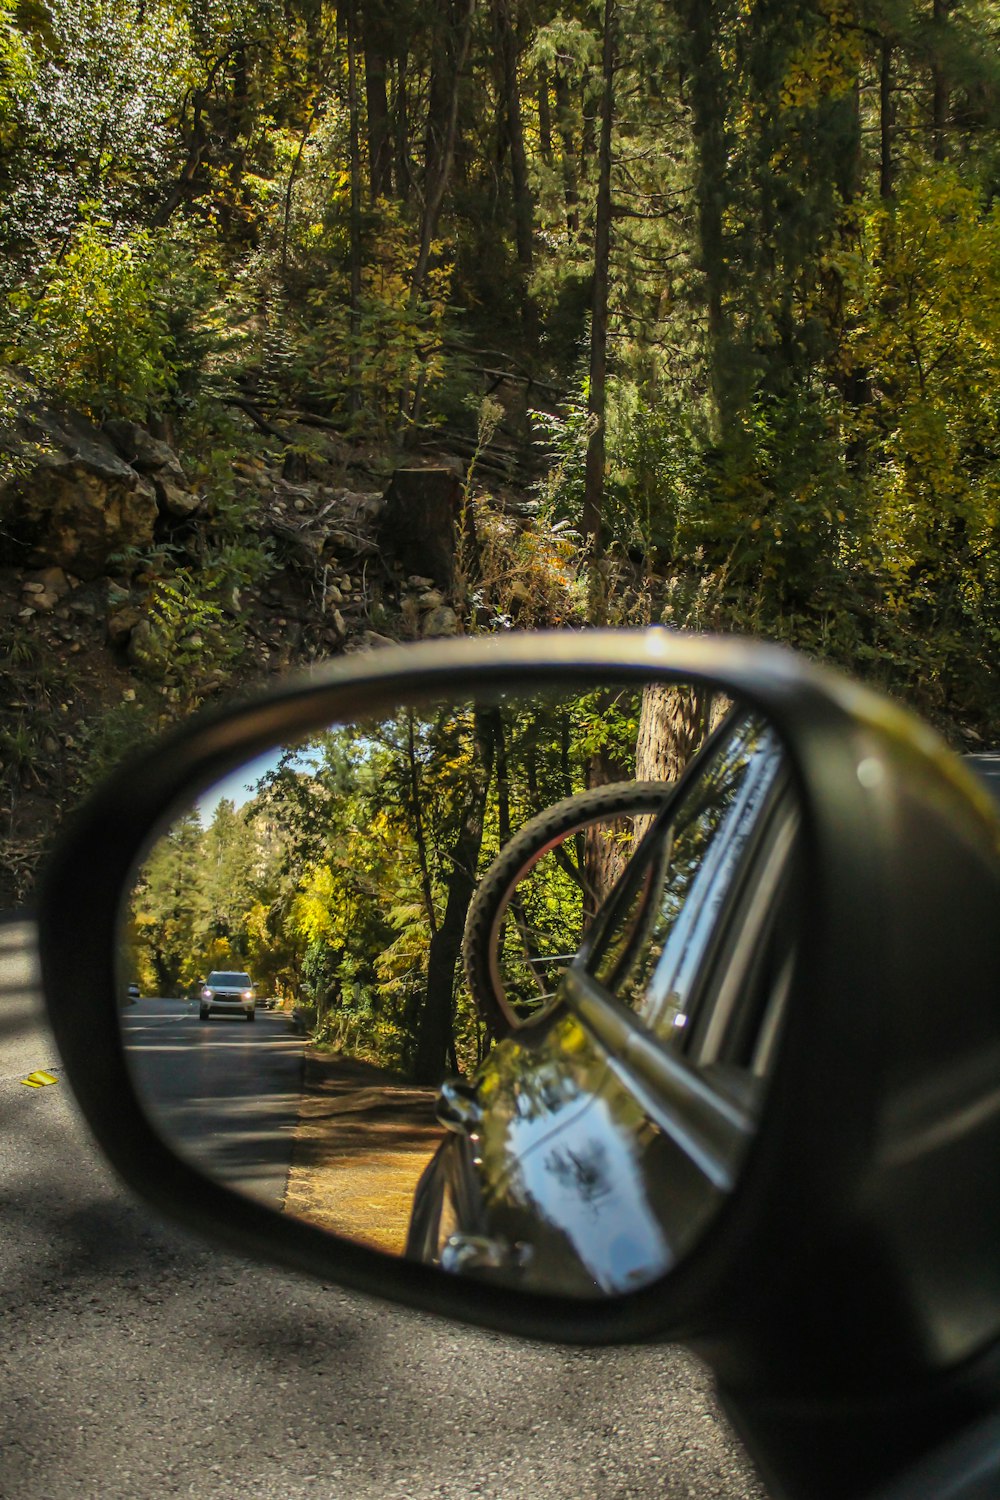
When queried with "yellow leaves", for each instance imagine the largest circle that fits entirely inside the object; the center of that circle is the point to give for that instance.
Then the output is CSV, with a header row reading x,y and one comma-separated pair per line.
x,y
924,325
824,68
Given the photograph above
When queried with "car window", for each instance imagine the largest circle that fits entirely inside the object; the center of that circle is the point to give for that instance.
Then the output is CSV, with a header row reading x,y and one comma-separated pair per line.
x,y
727,838
229,979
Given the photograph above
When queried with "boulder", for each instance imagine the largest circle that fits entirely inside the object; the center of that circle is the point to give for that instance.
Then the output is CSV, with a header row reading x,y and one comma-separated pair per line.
x,y
178,501
143,452
440,621
121,624
70,499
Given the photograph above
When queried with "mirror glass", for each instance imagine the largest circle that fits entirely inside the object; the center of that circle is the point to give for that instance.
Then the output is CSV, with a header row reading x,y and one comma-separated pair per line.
x,y
495,984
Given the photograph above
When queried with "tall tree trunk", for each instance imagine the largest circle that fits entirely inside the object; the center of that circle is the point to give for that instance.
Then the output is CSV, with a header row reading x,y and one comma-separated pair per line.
x,y
564,116
354,351
401,127
673,722
707,91
523,206
435,1038
939,88
447,71
420,838
376,42
593,495
885,175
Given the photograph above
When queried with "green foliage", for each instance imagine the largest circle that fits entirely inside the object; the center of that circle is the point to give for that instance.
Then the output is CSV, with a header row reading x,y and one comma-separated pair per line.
x,y
112,736
118,324
802,411
366,365
562,438
90,329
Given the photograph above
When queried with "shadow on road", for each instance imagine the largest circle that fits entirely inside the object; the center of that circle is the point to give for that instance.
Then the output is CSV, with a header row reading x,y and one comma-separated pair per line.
x,y
364,1137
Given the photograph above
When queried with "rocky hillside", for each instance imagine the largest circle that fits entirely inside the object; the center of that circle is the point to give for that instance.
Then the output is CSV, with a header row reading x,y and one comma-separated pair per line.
x,y
134,586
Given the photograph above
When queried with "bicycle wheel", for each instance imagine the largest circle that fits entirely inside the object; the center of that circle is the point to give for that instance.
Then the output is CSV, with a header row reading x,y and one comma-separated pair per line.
x,y
533,905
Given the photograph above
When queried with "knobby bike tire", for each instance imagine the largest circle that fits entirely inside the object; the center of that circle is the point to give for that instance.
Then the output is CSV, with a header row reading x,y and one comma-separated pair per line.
x,y
489,905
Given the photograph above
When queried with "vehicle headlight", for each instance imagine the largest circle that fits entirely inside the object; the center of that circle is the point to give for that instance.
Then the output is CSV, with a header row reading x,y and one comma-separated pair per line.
x,y
206,994
248,994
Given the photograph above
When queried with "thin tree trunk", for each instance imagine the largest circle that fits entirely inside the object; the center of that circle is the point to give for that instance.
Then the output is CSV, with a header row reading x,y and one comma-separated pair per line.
x,y
593,497
420,837
401,128
375,43
564,115
939,88
354,348
707,89
442,124
885,176
435,1040
286,218
523,206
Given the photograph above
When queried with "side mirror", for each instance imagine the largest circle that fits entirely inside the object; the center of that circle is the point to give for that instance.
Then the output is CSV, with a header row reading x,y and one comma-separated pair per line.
x,y
636,985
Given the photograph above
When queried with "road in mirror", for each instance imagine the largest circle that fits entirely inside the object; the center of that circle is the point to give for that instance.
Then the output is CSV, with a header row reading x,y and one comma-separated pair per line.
x,y
493,984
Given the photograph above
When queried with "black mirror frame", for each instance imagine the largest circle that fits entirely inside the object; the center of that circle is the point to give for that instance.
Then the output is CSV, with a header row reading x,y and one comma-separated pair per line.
x,y
881,798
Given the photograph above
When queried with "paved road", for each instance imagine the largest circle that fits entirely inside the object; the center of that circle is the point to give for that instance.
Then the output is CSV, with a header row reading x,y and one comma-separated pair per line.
x,y
225,1092
135,1363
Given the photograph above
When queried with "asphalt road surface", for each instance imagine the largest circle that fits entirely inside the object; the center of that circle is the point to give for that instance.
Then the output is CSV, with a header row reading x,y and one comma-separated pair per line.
x,y
137,1363
223,1092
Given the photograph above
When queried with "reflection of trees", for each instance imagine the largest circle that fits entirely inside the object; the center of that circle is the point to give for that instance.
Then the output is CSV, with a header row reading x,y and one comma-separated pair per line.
x,y
582,1172
344,881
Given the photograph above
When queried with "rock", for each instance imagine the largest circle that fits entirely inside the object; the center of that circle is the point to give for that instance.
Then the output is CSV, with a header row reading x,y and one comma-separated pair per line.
x,y
433,599
411,616
416,582
338,623
177,501
144,452
372,641
122,623
441,621
72,500
333,596
51,581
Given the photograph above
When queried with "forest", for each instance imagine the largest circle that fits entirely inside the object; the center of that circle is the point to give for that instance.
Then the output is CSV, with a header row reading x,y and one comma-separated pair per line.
x,y
718,279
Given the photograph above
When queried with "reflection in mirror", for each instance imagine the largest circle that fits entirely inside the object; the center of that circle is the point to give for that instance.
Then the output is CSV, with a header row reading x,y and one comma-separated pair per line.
x,y
495,984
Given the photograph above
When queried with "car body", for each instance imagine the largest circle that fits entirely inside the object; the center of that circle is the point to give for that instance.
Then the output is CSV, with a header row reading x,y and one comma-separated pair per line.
x,y
227,992
132,992
565,1181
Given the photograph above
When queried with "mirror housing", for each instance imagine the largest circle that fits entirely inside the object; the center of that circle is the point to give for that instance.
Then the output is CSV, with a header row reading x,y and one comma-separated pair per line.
x,y
866,1220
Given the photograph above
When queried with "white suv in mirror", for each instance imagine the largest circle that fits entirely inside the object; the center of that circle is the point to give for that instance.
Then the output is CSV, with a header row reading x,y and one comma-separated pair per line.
x,y
227,994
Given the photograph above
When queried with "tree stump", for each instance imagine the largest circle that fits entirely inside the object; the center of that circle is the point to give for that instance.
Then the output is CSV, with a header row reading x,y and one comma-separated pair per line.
x,y
422,521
